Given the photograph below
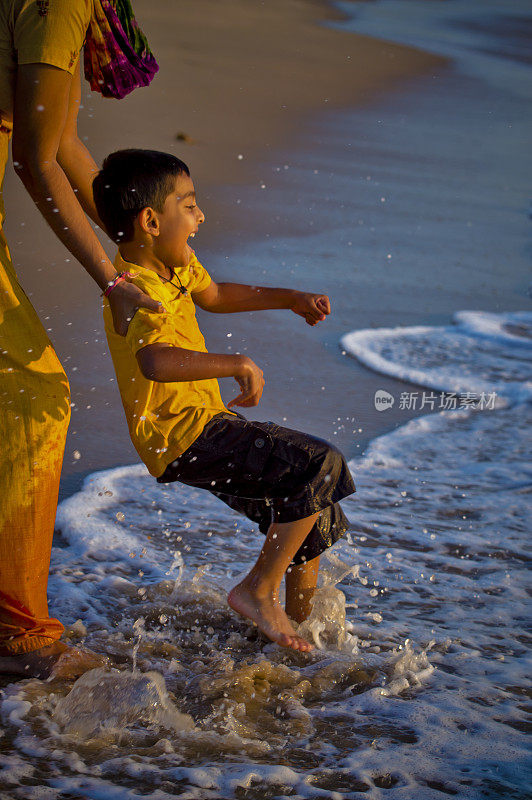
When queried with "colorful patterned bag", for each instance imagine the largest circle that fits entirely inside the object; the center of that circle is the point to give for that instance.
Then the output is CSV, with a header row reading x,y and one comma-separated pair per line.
x,y
117,56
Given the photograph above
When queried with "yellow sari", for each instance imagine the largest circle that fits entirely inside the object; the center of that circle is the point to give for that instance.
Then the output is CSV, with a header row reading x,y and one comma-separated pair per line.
x,y
35,410
34,391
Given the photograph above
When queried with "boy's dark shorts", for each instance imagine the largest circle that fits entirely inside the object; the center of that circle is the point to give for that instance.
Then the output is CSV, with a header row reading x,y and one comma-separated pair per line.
x,y
270,474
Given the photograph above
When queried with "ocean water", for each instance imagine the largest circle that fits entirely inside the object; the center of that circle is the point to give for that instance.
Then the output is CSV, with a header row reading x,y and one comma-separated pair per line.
x,y
481,359
418,687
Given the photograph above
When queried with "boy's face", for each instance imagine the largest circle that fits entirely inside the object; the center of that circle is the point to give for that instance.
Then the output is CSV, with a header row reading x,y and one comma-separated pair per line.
x,y
179,220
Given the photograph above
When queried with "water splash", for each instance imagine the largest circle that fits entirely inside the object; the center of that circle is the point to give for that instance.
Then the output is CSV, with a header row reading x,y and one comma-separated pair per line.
x,y
178,564
410,668
140,630
327,625
103,703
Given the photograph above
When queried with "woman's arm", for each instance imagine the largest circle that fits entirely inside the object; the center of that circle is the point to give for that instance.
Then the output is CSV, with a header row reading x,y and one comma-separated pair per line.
x,y
40,115
72,155
41,108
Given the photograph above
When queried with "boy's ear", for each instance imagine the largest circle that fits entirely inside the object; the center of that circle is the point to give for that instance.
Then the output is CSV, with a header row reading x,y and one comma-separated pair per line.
x,y
149,221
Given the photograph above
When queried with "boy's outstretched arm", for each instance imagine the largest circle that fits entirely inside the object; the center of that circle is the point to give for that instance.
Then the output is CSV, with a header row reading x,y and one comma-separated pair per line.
x,y
164,363
227,298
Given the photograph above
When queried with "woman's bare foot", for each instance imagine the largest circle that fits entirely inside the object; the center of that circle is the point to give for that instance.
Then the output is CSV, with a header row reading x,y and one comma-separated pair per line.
x,y
268,615
57,660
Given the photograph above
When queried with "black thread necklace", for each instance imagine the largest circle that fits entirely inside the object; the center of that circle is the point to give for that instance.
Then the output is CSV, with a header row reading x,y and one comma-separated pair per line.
x,y
182,289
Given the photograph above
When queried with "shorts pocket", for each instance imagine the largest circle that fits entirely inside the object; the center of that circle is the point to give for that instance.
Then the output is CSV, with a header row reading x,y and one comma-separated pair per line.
x,y
257,456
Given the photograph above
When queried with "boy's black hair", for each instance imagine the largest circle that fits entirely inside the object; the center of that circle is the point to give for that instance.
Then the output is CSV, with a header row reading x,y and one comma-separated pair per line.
x,y
129,181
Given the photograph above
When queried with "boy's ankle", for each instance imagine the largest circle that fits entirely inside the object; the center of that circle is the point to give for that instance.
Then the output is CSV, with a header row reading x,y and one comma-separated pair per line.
x,y
258,587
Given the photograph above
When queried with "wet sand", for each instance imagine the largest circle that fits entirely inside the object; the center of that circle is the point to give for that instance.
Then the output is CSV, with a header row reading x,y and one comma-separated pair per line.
x,y
245,83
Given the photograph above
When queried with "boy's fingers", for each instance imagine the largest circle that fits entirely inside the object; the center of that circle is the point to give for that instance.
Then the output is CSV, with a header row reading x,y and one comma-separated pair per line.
x,y
316,312
320,310
252,401
324,304
246,399
238,401
152,305
250,394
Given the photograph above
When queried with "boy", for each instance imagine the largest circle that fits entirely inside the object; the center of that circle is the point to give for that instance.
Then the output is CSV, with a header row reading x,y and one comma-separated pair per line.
x,y
286,481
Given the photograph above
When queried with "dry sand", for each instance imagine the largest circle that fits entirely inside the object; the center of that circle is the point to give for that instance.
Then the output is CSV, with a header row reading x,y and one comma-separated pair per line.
x,y
239,77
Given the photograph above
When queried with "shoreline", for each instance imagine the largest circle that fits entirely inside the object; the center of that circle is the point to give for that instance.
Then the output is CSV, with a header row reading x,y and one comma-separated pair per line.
x,y
260,109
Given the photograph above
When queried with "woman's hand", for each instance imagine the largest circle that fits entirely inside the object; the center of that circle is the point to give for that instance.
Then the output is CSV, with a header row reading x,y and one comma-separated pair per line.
x,y
312,307
124,301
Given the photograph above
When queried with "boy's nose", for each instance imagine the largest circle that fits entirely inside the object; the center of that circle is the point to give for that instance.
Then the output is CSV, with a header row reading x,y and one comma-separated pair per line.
x,y
201,215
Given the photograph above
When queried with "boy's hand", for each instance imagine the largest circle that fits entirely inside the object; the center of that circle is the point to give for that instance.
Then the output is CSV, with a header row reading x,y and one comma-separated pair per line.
x,y
312,307
124,300
251,380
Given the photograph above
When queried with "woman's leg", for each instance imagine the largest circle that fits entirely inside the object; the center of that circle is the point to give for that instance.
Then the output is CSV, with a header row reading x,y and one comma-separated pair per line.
x,y
35,410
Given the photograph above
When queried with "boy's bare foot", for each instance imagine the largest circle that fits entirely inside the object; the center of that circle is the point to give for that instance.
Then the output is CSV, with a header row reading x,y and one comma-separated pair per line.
x,y
268,615
57,660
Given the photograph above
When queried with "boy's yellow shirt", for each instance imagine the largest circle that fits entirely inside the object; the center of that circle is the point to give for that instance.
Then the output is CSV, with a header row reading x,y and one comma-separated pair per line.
x,y
164,419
